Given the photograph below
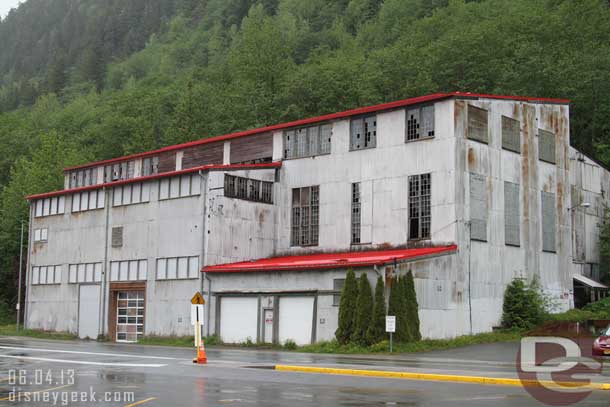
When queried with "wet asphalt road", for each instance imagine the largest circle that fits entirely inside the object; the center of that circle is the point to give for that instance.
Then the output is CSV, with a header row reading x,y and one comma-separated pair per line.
x,y
124,375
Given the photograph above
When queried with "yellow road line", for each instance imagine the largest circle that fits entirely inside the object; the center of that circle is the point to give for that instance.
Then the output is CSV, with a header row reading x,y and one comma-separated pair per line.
x,y
137,403
442,377
38,391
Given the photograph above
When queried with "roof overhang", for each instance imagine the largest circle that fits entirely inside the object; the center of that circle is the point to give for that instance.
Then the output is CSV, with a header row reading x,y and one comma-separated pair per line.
x,y
325,261
203,168
589,282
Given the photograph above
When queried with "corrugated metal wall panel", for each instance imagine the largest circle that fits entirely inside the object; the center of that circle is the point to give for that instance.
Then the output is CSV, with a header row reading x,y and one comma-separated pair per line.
x,y
511,134
433,294
548,222
511,214
477,124
546,146
478,207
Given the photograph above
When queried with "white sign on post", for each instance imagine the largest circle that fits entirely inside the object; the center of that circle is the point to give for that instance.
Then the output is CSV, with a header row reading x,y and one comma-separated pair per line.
x,y
196,314
390,324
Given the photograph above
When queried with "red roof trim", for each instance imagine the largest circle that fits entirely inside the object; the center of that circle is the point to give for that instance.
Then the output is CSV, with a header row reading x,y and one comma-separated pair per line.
x,y
209,167
332,116
326,261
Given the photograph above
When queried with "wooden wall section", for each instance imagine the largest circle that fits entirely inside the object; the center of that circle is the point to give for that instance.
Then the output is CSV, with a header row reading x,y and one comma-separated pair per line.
x,y
250,148
167,161
203,154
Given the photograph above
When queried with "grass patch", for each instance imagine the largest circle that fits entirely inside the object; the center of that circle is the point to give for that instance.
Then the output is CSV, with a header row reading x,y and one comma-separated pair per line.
x,y
11,330
180,341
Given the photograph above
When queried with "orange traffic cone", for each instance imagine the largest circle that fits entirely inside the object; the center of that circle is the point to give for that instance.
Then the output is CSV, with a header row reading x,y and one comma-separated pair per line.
x,y
201,356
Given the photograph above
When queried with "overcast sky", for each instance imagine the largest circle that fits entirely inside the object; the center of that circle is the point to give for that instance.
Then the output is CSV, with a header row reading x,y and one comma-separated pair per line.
x,y
6,5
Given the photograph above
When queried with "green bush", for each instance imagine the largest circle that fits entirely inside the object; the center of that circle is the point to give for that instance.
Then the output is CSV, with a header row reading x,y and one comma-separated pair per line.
x,y
364,311
523,306
601,306
412,308
376,330
290,344
347,308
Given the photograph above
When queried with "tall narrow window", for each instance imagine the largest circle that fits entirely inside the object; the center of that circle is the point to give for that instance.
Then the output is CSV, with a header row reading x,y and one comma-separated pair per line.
x,y
548,222
511,134
419,206
511,214
356,213
363,132
305,216
478,207
477,124
546,146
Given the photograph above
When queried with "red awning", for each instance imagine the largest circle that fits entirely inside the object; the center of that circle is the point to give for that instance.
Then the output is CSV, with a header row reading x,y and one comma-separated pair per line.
x,y
330,260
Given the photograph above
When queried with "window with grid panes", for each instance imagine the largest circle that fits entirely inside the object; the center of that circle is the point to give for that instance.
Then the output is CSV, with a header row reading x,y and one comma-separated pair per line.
x,y
307,141
248,189
420,123
419,206
356,213
363,132
305,216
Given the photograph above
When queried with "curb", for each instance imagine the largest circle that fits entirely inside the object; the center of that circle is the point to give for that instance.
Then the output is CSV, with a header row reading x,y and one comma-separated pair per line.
x,y
442,377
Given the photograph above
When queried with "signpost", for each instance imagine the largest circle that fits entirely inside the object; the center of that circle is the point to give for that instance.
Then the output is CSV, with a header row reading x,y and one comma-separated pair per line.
x,y
197,320
390,326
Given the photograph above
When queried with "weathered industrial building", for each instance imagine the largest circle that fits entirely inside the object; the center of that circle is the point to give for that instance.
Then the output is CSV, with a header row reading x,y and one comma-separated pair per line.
x,y
467,191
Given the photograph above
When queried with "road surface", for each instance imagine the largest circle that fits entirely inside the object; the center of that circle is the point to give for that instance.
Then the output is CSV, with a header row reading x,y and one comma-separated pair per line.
x,y
149,376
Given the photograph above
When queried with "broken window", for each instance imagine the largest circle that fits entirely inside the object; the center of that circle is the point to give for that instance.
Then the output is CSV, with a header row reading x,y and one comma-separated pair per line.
x,y
546,146
420,123
478,207
548,222
419,206
477,124
511,214
305,216
248,189
356,213
511,134
307,141
363,132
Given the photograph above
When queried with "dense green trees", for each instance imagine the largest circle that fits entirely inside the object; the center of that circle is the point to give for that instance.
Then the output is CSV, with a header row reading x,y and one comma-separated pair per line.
x,y
347,309
118,77
376,330
364,311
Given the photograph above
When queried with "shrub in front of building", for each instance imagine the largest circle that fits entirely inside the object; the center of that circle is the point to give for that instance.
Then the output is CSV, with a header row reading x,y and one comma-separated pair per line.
x,y
376,330
412,308
347,308
364,311
523,306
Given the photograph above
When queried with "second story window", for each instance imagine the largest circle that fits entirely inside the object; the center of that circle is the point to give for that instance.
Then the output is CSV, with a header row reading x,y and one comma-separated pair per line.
x,y
546,146
363,132
419,123
477,124
305,216
307,141
150,166
49,206
356,213
248,189
179,186
511,134
419,206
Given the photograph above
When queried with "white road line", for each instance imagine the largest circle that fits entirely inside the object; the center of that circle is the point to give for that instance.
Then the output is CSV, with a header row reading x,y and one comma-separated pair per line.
x,y
123,355
82,362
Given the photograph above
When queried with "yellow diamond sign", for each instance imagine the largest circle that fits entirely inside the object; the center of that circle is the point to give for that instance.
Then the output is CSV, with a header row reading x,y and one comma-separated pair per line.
x,y
197,299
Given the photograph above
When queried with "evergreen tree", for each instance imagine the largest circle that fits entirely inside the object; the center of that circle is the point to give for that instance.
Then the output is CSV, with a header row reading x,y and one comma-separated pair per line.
x,y
395,305
412,308
376,330
364,311
403,328
347,308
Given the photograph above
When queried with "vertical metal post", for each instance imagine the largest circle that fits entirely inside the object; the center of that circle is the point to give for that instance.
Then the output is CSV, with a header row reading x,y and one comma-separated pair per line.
x,y
19,279
390,342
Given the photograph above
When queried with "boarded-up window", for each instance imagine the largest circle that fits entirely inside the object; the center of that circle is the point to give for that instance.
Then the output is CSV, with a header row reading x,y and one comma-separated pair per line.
x,y
511,135
419,123
477,124
338,284
419,206
511,214
478,207
252,149
546,146
548,222
117,236
363,132
307,141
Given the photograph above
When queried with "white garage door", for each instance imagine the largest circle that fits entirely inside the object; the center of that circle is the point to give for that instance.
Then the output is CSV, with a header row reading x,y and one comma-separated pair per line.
x,y
296,315
238,319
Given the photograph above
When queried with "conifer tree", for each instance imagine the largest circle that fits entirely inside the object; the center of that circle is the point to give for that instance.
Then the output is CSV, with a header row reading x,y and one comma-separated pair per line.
x,y
395,305
364,311
347,308
403,330
376,330
412,308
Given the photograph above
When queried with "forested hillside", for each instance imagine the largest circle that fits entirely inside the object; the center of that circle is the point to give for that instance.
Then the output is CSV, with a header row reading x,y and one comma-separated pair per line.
x,y
90,79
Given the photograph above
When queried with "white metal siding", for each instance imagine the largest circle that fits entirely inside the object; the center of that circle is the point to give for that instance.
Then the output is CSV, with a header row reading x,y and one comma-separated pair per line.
x,y
478,207
511,214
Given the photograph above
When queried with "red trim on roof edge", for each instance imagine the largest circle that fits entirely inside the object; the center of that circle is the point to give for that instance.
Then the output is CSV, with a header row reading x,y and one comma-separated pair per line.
x,y
209,167
332,116
326,261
